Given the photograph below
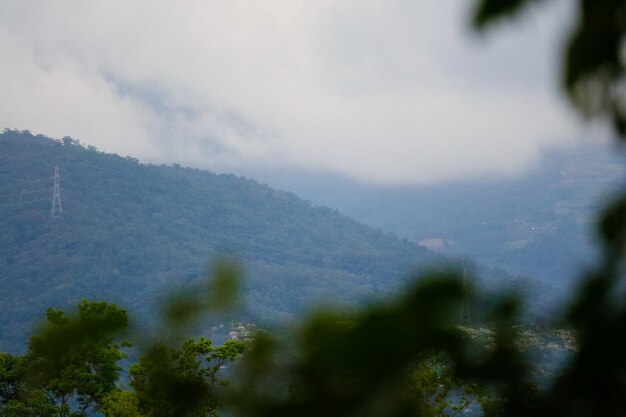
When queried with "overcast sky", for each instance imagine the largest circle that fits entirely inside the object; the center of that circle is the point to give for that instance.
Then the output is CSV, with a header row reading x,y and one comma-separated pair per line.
x,y
385,91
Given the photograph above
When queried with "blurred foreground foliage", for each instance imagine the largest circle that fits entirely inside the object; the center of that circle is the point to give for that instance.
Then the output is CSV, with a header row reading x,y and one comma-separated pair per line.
x,y
405,357
72,367
592,69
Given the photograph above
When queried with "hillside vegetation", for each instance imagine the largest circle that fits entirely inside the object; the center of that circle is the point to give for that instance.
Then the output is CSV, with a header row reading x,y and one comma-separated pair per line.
x,y
129,231
540,225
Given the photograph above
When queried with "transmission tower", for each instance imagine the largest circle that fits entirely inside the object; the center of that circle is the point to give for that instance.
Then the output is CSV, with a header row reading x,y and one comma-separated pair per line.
x,y
57,209
465,318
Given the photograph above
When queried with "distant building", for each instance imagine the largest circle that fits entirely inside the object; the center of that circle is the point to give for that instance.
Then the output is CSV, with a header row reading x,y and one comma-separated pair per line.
x,y
433,244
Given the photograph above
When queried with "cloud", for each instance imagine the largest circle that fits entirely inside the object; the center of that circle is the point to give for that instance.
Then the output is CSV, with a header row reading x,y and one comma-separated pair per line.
x,y
384,91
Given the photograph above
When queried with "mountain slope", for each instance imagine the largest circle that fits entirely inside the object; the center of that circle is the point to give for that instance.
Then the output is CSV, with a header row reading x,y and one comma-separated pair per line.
x,y
131,230
540,225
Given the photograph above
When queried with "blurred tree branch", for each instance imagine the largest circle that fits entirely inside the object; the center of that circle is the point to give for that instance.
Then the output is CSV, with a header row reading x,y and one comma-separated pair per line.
x,y
593,58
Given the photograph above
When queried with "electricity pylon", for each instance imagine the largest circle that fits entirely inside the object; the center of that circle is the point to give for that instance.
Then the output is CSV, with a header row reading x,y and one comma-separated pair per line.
x,y
57,209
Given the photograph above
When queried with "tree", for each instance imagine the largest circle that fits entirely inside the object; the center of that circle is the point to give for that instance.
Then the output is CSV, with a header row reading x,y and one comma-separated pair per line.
x,y
182,382
15,398
437,390
11,373
121,404
71,370
73,360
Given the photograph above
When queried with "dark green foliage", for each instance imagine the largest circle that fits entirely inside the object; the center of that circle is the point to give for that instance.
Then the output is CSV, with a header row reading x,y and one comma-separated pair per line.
x,y
94,325
405,358
488,11
74,359
121,404
9,370
593,64
613,228
131,231
182,382
70,367
72,370
181,376
436,390
12,384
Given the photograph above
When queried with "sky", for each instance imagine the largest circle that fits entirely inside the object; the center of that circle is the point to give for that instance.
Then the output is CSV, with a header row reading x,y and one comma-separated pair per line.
x,y
382,91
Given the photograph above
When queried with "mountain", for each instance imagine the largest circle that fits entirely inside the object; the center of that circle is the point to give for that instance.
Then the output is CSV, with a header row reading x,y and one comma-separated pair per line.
x,y
540,225
130,231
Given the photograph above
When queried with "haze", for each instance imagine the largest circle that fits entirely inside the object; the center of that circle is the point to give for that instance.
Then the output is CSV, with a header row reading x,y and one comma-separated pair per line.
x,y
390,92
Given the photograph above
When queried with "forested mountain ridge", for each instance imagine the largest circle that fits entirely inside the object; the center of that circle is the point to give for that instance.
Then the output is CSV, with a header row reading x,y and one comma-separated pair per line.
x,y
130,230
541,224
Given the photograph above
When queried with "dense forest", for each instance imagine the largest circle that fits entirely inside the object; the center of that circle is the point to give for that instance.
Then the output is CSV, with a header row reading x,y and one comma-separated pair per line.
x,y
130,230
